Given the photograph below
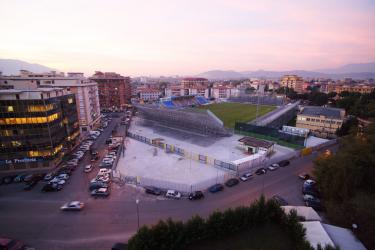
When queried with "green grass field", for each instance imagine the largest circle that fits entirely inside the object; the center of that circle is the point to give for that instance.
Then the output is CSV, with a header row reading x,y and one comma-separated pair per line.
x,y
229,113
266,237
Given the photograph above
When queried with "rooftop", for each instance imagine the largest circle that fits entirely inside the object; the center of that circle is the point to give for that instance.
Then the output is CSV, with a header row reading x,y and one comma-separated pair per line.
x,y
322,111
251,141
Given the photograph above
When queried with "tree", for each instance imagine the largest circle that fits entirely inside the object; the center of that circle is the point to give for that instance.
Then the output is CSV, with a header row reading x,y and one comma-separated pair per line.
x,y
346,181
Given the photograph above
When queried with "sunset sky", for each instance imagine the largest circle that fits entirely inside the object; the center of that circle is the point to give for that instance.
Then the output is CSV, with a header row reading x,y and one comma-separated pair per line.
x,y
187,37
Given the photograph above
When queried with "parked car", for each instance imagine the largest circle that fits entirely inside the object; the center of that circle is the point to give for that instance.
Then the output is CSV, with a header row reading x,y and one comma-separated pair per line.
x,y
48,177
261,171
246,176
104,171
196,195
315,205
232,182
173,194
308,197
28,178
64,177
104,178
57,181
51,187
216,188
73,206
309,182
153,190
101,192
19,178
304,176
310,190
97,185
280,200
30,185
284,163
273,167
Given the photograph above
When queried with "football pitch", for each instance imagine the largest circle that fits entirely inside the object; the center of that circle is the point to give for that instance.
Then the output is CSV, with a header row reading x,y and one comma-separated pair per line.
x,y
229,112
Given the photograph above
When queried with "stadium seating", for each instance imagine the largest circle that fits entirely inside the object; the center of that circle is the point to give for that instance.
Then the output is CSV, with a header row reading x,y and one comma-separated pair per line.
x,y
184,101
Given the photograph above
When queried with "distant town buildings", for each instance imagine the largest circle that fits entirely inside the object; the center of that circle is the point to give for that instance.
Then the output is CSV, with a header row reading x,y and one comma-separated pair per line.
x,y
37,127
149,94
189,86
293,82
322,122
360,88
86,91
114,90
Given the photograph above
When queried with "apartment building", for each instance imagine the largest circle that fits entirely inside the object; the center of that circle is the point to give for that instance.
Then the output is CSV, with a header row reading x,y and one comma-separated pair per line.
x,y
360,88
224,91
85,91
114,90
323,122
149,94
294,82
37,127
189,86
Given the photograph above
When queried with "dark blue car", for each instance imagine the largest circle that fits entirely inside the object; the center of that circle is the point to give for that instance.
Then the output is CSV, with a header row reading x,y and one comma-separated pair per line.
x,y
216,188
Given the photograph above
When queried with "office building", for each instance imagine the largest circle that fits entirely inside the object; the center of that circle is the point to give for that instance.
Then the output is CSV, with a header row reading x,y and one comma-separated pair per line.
x,y
36,128
86,92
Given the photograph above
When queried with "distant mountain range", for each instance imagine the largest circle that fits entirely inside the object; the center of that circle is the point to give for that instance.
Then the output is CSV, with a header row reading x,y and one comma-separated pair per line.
x,y
13,67
355,71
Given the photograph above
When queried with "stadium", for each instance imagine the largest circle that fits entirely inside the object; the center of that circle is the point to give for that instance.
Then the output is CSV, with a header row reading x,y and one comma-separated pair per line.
x,y
177,145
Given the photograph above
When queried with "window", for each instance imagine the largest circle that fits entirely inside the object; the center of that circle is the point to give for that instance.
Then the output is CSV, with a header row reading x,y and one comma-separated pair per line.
x,y
17,96
10,109
16,143
70,100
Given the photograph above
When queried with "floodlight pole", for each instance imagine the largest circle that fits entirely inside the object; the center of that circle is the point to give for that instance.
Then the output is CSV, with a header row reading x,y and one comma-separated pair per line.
x,y
137,202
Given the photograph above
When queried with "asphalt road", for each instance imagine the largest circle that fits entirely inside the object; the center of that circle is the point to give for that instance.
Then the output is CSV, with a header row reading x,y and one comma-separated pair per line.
x,y
35,218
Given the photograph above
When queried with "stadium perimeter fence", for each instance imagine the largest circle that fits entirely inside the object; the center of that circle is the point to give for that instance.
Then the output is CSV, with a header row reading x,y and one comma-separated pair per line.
x,y
169,148
271,134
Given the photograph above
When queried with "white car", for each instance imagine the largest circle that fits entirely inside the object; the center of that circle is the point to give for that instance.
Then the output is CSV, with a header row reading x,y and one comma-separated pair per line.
x,y
308,197
273,167
104,171
104,179
88,168
309,182
246,176
73,206
173,194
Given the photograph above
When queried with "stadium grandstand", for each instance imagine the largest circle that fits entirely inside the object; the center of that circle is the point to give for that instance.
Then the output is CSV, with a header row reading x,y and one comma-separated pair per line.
x,y
176,102
191,120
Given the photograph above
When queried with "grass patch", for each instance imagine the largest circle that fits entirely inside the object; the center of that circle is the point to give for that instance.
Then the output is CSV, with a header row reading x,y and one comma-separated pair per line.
x,y
230,112
266,237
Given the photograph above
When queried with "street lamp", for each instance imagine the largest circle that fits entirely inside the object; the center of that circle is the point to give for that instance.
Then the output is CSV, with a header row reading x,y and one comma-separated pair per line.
x,y
137,202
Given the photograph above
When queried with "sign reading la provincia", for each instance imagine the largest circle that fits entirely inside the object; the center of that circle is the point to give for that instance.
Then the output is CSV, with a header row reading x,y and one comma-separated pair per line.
x,y
15,161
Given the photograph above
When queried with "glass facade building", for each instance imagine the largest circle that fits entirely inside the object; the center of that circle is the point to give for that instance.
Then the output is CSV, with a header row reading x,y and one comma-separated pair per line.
x,y
35,133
